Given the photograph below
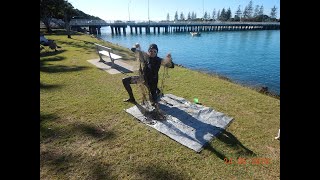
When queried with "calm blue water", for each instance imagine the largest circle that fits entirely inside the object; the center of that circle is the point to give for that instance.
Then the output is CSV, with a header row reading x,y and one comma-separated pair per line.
x,y
251,58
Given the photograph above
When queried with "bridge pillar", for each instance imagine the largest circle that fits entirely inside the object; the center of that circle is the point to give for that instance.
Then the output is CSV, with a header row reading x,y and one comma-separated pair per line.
x,y
112,32
124,30
147,29
119,30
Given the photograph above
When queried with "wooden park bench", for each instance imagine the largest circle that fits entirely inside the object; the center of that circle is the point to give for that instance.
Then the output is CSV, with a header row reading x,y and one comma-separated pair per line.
x,y
106,51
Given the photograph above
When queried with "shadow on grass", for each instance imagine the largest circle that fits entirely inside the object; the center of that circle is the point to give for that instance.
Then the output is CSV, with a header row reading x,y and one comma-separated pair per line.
x,y
229,139
84,45
125,53
47,117
86,42
51,131
232,141
46,52
61,68
117,67
63,161
48,86
55,157
45,67
216,152
93,131
101,171
155,172
45,131
52,59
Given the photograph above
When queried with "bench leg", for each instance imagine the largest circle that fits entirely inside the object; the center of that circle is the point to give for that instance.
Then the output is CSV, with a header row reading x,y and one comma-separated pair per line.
x,y
101,60
112,63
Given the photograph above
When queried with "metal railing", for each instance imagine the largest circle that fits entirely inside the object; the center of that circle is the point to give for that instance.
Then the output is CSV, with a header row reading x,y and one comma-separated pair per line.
x,y
87,22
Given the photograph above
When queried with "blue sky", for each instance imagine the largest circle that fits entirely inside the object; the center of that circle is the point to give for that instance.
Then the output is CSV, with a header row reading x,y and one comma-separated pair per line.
x,y
158,9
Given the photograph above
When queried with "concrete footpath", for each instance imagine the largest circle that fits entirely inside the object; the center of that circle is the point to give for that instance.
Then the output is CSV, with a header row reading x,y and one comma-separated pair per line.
x,y
120,66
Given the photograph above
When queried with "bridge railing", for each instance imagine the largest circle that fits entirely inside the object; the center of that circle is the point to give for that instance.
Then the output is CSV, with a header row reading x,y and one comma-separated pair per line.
x,y
87,22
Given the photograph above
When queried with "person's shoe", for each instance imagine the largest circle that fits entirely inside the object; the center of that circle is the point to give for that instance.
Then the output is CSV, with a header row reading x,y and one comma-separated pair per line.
x,y
58,46
130,100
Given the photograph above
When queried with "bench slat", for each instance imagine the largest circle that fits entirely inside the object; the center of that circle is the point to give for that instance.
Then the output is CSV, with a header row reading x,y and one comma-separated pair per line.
x,y
113,56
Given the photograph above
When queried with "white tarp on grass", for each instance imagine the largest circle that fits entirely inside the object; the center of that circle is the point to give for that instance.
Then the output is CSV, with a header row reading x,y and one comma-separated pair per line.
x,y
190,124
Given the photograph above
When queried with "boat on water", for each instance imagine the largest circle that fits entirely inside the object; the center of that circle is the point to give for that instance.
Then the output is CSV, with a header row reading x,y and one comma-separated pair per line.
x,y
195,33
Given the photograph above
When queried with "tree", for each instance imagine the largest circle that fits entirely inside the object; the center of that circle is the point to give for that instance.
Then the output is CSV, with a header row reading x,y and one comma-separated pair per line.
x,y
193,15
68,12
176,17
237,16
250,9
50,9
214,14
228,14
168,17
261,11
256,11
182,16
60,9
245,13
273,13
260,17
223,15
205,16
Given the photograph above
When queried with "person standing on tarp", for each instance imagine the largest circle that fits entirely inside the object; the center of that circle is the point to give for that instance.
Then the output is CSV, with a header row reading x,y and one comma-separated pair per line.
x,y
150,69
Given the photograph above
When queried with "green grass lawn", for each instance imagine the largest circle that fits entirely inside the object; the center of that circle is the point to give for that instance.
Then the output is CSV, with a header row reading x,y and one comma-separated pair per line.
x,y
86,134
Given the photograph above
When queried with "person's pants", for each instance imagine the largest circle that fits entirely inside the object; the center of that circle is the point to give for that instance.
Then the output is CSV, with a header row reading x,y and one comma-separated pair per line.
x,y
152,87
126,83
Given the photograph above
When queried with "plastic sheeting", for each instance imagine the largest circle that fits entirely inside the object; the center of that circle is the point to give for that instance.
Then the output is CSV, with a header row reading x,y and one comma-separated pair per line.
x,y
190,124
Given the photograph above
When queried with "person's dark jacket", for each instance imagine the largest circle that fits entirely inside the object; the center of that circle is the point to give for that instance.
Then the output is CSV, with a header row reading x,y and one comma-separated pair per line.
x,y
150,72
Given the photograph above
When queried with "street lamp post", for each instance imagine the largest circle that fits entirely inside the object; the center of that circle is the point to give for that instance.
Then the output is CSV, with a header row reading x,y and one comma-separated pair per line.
x,y
129,9
148,12
203,9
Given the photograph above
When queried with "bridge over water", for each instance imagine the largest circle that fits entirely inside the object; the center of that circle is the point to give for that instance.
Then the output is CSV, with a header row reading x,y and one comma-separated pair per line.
x,y
170,26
